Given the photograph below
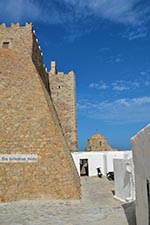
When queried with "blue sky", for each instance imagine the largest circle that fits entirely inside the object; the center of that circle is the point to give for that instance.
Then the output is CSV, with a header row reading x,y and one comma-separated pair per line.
x,y
107,44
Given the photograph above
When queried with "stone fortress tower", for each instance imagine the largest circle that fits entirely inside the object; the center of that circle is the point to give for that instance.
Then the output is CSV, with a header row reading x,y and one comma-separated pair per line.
x,y
30,124
98,143
63,92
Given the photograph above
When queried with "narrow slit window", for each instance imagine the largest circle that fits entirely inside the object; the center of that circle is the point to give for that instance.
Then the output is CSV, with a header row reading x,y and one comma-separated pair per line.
x,y
6,44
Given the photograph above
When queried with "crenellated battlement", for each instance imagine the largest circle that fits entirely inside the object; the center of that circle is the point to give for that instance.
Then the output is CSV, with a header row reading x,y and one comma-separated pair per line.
x,y
54,70
28,26
16,25
37,57
3,25
22,40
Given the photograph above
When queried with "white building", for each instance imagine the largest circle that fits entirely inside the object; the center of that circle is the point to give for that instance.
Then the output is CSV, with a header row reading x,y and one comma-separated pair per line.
x,y
94,160
141,158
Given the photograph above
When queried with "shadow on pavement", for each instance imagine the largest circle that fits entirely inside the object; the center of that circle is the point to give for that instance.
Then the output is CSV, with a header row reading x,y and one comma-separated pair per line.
x,y
129,209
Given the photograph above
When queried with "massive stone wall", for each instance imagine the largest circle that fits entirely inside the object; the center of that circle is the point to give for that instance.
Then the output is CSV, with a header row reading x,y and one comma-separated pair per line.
x,y
63,93
29,124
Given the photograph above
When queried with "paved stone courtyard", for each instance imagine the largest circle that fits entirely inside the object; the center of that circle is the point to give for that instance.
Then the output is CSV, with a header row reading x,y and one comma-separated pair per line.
x,y
97,207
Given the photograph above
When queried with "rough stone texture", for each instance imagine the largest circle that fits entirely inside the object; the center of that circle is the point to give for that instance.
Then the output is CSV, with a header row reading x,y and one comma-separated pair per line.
x,y
98,143
62,88
29,124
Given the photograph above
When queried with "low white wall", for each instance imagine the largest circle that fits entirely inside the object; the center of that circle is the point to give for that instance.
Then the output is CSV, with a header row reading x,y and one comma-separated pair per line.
x,y
141,157
124,179
115,155
95,160
99,159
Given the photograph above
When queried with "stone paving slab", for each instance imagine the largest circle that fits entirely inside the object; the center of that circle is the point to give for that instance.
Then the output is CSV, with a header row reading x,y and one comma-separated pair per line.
x,y
97,207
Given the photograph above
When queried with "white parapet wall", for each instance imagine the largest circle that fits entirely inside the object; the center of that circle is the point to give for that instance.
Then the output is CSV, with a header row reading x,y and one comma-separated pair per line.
x,y
104,160
141,157
116,155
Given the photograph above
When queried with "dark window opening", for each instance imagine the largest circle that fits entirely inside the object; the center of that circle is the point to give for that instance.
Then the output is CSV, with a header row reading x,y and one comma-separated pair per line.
x,y
5,44
100,143
148,199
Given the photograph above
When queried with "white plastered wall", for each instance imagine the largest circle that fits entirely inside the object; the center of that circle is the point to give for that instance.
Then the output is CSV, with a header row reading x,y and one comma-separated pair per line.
x,y
99,159
141,157
124,179
95,160
115,155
